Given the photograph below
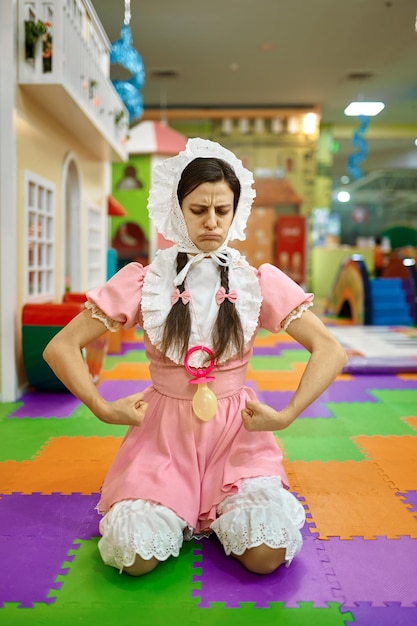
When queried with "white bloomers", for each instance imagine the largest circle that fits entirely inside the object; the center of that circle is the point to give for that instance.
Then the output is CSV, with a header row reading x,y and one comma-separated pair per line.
x,y
261,512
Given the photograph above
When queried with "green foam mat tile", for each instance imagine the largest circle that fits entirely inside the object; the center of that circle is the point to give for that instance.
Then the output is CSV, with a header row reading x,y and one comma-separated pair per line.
x,y
131,356
100,614
281,362
363,418
320,449
39,431
304,615
403,397
315,428
88,578
6,408
139,613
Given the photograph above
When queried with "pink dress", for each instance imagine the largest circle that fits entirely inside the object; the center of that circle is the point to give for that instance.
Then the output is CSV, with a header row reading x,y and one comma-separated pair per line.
x,y
175,459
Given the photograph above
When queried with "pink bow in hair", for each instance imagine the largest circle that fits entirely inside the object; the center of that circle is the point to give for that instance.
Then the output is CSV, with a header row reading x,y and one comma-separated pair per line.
x,y
221,296
177,295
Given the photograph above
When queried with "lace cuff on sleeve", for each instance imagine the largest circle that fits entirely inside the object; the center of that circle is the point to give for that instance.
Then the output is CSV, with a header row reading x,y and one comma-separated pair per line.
x,y
295,314
98,314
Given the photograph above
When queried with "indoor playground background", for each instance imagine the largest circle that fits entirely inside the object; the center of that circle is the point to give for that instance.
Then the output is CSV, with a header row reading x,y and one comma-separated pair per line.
x,y
351,459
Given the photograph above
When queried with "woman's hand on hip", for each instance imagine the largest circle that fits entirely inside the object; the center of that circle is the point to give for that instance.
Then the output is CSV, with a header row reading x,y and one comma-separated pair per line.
x,y
127,411
258,416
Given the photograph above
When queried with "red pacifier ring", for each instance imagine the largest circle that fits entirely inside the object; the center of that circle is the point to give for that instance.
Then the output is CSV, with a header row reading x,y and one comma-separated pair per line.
x,y
199,373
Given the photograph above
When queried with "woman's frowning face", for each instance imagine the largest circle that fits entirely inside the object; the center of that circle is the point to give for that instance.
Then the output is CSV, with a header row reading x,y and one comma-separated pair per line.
x,y
208,213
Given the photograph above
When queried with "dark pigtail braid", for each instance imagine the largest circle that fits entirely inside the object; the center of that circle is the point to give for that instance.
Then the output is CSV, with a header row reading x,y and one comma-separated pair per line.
x,y
228,327
177,327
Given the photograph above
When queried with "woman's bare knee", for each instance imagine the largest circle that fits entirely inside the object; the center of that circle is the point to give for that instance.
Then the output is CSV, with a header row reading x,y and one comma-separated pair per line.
x,y
141,567
262,559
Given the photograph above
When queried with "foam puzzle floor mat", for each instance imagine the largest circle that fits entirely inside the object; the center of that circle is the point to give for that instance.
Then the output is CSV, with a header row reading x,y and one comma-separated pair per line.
x,y
351,459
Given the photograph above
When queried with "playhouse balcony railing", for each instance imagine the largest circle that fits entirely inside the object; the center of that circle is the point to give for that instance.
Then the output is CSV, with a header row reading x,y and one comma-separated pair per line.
x,y
63,63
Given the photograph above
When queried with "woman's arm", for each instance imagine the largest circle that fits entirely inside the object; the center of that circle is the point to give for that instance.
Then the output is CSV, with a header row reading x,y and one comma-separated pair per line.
x,y
326,361
63,355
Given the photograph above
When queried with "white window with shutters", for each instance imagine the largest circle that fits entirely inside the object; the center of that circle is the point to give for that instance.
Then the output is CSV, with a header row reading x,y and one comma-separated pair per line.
x,y
95,247
38,238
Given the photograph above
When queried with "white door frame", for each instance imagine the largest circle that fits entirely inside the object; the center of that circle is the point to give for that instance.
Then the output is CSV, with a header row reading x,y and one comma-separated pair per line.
x,y
71,223
8,205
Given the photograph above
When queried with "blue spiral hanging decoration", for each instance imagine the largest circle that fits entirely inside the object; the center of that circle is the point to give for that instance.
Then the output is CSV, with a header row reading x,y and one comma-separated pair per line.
x,y
361,146
123,53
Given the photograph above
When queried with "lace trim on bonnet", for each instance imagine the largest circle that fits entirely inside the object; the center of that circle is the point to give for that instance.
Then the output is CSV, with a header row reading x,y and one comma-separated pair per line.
x,y
163,206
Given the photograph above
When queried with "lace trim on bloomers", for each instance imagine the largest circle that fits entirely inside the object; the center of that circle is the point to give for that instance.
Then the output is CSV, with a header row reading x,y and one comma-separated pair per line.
x,y
98,314
159,285
295,314
262,512
140,527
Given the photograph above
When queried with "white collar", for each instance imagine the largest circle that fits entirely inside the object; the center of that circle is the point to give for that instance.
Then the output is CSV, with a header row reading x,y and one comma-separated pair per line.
x,y
159,285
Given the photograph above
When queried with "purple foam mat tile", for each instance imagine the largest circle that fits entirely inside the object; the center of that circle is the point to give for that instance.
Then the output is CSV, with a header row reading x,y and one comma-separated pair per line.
x,y
112,390
90,525
393,614
278,399
252,385
381,381
223,579
409,498
53,515
340,391
46,405
29,569
357,564
128,346
36,534
275,350
306,529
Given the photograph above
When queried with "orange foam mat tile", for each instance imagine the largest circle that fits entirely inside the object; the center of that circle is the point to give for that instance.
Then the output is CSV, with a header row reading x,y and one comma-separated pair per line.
x,y
411,421
126,371
395,456
65,465
330,477
350,498
266,380
79,449
356,515
271,339
407,376
130,335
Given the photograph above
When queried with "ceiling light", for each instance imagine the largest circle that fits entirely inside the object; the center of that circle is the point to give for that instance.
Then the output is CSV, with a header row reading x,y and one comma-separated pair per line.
x,y
259,126
244,126
276,125
293,125
310,123
227,126
364,108
343,196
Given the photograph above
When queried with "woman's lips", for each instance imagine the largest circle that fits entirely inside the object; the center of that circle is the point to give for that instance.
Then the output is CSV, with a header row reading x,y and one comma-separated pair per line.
x,y
210,236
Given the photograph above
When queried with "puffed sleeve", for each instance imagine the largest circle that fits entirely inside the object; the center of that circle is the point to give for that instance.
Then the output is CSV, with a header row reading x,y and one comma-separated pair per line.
x,y
281,297
119,298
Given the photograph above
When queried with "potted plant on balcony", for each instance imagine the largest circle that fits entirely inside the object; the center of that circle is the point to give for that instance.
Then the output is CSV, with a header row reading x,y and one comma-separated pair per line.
x,y
47,49
35,30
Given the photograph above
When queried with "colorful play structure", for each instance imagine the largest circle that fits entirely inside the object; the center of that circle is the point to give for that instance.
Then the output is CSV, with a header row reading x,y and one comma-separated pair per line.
x,y
376,318
390,300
